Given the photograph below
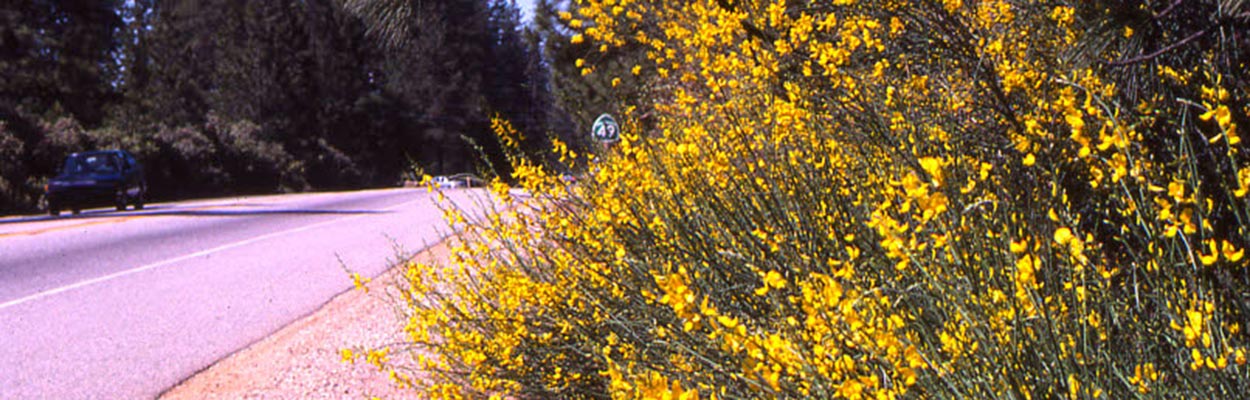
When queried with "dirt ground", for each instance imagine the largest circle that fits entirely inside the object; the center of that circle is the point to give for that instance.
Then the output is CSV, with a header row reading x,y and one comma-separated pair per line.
x,y
303,360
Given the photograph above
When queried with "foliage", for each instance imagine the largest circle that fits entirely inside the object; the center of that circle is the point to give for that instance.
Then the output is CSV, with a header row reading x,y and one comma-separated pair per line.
x,y
586,79
53,74
948,199
229,96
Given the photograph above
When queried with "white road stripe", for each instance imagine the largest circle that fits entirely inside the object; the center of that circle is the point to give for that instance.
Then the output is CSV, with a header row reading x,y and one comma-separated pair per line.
x,y
201,253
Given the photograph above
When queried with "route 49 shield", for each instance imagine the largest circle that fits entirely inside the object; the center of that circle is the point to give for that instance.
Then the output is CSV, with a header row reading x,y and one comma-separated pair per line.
x,y
605,129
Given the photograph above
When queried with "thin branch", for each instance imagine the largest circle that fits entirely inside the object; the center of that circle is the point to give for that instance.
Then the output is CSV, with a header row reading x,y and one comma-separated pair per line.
x,y
1168,10
1160,52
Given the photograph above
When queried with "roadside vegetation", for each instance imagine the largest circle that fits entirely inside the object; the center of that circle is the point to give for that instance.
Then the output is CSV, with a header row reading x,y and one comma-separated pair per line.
x,y
848,199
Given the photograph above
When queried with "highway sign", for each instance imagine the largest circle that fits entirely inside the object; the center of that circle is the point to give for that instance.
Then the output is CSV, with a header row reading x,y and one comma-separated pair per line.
x,y
605,129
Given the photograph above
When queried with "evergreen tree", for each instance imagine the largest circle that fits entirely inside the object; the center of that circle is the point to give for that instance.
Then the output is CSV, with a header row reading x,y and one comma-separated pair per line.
x,y
56,64
516,89
257,96
585,80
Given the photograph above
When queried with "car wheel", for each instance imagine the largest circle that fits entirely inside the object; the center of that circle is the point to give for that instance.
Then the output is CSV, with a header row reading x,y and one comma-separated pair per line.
x,y
77,211
54,211
121,200
143,192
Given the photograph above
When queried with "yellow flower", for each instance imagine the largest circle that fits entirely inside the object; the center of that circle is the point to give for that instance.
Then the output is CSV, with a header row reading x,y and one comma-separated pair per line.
x,y
1231,253
1029,160
577,39
1063,15
933,167
1176,189
360,282
1221,114
1026,266
1019,247
348,356
1208,259
1193,327
952,5
1074,386
1243,183
377,357
774,279
1094,319
1063,236
851,389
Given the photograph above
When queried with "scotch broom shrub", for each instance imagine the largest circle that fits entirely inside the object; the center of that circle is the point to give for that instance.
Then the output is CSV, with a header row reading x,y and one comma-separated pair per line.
x,y
849,199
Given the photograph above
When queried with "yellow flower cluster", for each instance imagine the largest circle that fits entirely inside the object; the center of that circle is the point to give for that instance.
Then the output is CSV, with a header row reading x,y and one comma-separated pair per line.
x,y
859,199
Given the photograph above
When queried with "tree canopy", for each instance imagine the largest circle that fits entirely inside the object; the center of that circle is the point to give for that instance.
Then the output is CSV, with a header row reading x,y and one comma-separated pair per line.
x,y
244,96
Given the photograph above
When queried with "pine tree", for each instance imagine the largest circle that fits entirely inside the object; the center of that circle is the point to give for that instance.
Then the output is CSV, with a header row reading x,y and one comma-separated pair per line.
x,y
57,65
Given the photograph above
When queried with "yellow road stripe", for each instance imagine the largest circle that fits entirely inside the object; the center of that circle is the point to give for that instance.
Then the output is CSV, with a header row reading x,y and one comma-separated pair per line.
x,y
63,227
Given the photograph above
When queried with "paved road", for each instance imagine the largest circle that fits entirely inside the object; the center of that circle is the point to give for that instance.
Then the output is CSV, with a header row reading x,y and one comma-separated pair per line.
x,y
113,305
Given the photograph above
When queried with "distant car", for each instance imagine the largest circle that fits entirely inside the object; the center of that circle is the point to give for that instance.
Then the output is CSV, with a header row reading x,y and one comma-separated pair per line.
x,y
97,178
469,180
457,181
444,182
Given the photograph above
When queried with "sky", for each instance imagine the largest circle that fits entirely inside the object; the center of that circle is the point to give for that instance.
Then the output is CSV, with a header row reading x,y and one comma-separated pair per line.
x,y
527,9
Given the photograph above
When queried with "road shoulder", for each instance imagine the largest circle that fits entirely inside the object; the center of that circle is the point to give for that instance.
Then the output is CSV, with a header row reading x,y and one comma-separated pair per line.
x,y
303,359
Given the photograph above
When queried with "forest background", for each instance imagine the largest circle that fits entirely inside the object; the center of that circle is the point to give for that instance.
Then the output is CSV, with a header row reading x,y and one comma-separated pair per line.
x,y
240,96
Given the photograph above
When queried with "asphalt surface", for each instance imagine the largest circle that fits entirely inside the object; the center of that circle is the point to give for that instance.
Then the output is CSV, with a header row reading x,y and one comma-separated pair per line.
x,y
124,305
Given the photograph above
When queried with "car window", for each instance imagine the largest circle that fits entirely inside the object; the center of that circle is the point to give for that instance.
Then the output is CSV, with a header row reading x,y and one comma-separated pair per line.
x,y
73,165
103,164
94,164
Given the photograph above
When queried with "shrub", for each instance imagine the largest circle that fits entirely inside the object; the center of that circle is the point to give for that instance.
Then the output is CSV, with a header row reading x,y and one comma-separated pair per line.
x,y
869,199
10,161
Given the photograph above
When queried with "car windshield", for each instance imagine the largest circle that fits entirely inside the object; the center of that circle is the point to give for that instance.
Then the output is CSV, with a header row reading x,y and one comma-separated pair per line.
x,y
91,164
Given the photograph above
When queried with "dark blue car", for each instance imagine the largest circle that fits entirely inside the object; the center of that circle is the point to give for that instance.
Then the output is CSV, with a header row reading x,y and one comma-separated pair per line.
x,y
97,178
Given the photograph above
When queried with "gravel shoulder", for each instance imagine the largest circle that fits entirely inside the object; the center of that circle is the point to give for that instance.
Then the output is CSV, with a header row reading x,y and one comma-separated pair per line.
x,y
303,359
